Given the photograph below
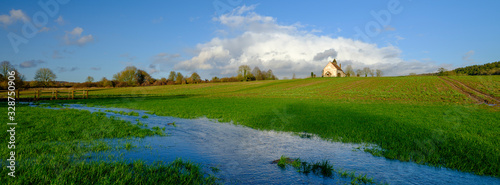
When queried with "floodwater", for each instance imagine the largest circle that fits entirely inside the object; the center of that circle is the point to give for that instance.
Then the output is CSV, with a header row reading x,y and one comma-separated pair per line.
x,y
243,155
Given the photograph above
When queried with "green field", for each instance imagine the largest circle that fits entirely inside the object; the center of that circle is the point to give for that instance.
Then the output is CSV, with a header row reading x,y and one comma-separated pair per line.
x,y
52,147
420,119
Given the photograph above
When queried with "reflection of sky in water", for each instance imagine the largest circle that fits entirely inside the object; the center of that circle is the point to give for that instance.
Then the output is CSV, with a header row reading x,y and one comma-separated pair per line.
x,y
243,155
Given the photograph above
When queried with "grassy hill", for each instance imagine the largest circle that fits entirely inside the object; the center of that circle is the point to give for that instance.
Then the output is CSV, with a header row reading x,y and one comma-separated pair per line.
x,y
429,120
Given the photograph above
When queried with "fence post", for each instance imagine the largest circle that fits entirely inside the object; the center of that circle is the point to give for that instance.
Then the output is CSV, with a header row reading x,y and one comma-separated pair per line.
x,y
72,94
38,94
56,94
17,93
87,94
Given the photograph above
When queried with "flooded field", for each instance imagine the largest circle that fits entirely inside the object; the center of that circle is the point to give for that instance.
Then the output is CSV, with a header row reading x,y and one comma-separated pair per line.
x,y
238,154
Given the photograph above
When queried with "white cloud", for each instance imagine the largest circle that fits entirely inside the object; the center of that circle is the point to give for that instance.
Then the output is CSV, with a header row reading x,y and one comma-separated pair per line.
x,y
286,49
75,37
77,31
43,29
389,28
467,56
14,16
60,20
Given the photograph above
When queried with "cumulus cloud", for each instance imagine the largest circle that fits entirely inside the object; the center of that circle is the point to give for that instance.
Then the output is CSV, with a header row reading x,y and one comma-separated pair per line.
x,y
14,16
31,63
467,56
261,41
325,55
74,37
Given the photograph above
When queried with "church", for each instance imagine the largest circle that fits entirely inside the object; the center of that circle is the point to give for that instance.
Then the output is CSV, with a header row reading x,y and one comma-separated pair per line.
x,y
333,70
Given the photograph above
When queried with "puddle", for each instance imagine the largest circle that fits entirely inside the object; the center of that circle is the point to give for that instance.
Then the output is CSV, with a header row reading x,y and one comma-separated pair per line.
x,y
243,155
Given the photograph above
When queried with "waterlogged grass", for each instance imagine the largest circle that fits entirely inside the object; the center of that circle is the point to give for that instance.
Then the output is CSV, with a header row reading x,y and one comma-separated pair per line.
x,y
420,119
323,168
131,113
51,148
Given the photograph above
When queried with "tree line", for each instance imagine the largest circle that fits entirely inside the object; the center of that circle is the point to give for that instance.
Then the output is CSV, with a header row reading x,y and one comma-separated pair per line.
x,y
485,69
492,68
132,76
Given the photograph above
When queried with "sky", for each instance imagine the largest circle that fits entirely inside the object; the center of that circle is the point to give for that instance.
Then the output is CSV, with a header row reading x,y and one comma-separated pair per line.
x,y
76,39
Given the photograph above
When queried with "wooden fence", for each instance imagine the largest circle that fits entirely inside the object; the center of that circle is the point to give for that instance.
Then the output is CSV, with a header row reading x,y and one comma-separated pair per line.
x,y
48,94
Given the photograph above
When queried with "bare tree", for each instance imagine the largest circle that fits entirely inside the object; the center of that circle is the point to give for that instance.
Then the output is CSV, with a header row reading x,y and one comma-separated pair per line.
x,y
372,72
349,71
359,72
5,68
45,76
293,76
379,73
366,71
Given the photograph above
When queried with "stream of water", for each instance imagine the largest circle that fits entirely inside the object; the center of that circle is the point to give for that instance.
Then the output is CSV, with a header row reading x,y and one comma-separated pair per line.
x,y
243,155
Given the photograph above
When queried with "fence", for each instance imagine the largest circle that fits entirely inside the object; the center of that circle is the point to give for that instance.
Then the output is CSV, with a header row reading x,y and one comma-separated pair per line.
x,y
48,94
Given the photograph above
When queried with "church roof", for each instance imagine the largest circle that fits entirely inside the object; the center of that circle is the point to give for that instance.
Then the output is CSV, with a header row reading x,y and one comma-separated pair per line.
x,y
334,62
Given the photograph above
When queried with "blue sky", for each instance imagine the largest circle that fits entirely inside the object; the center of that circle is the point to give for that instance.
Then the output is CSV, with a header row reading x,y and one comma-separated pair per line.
x,y
77,39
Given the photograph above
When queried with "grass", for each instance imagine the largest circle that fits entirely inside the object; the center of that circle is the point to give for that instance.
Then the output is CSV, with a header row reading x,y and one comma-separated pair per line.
x,y
486,84
52,147
419,119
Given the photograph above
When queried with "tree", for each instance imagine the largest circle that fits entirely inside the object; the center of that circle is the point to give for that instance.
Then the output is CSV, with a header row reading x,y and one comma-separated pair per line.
x,y
270,75
293,76
106,83
372,72
257,73
349,71
5,68
366,71
90,79
359,72
143,78
179,78
244,72
45,76
441,71
195,77
171,77
312,75
413,74
379,73
128,76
